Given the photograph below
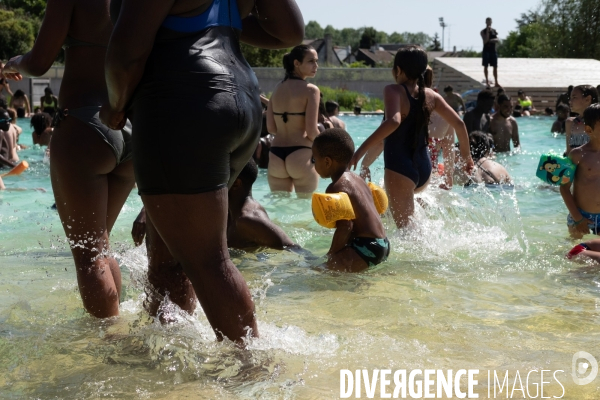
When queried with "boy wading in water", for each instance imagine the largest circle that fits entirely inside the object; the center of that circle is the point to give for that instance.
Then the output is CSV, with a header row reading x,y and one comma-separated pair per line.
x,y
584,202
359,243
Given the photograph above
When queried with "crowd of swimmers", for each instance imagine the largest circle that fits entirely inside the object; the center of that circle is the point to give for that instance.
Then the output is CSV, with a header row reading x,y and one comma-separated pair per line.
x,y
106,131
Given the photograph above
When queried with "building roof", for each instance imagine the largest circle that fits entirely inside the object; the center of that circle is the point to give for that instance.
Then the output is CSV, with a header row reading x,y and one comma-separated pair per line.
x,y
532,72
378,56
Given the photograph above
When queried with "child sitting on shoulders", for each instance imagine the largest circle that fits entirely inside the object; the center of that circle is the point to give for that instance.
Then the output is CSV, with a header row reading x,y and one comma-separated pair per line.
x,y
359,243
584,204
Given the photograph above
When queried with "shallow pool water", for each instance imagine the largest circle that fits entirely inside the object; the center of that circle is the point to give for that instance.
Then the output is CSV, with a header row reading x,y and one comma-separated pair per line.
x,y
480,283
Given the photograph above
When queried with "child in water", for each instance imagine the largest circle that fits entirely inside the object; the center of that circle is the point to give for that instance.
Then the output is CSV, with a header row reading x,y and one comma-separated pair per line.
x,y
584,202
359,243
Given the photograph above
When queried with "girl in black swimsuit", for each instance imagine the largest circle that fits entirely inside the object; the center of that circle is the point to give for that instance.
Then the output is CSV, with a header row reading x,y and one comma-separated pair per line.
x,y
287,174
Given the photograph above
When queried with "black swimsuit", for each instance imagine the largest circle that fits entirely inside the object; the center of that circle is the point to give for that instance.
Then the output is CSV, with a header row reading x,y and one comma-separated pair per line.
x,y
196,111
398,153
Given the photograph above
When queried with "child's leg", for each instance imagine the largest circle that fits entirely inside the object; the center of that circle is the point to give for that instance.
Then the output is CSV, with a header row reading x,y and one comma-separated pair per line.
x,y
347,260
401,191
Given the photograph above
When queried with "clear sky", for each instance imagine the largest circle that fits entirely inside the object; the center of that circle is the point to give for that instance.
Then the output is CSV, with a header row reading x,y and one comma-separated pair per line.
x,y
465,17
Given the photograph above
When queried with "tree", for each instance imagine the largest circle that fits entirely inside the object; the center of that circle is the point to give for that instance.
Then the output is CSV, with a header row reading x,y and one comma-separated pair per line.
x,y
419,38
17,33
368,38
436,43
396,38
35,8
257,57
313,30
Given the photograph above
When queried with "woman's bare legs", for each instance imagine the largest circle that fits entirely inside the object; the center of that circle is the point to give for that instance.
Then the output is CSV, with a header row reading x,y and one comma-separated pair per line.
x,y
90,192
193,227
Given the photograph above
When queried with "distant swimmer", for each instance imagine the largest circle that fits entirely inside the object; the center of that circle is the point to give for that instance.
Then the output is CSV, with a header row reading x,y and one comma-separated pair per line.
x,y
91,168
489,54
504,127
479,118
486,170
527,107
333,110
454,100
42,129
20,102
7,142
49,102
562,114
359,243
564,98
582,97
582,202
292,117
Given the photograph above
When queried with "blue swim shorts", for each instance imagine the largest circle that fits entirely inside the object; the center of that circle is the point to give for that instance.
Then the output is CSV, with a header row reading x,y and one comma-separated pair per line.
x,y
594,225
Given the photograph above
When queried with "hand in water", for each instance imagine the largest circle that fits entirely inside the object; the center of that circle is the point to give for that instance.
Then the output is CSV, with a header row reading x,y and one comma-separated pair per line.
x,y
138,232
111,118
582,227
10,69
469,166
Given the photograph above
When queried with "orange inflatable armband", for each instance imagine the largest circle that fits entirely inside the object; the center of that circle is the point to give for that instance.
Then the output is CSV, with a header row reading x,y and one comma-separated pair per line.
x,y
328,208
18,169
379,197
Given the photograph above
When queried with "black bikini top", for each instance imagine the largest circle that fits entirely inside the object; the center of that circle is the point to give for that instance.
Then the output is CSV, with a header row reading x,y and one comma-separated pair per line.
x,y
284,115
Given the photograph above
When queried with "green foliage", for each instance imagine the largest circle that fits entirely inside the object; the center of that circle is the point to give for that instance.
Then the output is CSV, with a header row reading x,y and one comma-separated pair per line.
x,y
357,64
35,8
559,28
363,37
313,30
17,33
347,99
435,46
263,57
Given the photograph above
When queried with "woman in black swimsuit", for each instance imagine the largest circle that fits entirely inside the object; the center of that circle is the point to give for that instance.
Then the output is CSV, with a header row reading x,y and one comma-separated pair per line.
x,y
168,55
292,116
91,169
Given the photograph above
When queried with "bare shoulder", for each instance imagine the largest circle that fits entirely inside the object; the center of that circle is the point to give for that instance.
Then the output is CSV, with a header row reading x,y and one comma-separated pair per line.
x,y
576,155
312,89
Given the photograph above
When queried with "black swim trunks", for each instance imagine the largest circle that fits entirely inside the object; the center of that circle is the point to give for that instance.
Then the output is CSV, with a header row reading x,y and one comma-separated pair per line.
x,y
373,250
197,112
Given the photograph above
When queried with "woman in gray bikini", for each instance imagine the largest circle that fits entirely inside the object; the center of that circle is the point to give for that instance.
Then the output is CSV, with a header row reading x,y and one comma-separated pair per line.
x,y
91,169
292,117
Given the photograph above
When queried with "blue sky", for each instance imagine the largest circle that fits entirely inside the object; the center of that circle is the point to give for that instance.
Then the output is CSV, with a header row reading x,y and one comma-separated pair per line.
x,y
465,17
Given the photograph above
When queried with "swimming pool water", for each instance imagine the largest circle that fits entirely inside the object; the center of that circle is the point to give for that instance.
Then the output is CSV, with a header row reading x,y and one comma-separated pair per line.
x,y
480,283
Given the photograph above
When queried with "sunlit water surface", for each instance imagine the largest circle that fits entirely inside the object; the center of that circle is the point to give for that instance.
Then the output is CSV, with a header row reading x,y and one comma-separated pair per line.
x,y
480,282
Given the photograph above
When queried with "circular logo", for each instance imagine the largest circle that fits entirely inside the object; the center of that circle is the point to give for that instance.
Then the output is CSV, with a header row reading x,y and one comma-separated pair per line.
x,y
580,367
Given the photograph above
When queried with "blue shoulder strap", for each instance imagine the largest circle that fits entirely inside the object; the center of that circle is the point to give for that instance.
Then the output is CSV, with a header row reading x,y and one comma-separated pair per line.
x,y
220,13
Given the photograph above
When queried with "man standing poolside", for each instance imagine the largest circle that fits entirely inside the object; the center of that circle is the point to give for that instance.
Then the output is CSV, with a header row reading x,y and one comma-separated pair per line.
x,y
490,57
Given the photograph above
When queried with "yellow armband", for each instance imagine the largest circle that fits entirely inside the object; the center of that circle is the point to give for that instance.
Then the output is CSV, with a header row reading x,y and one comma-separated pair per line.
x,y
379,197
328,208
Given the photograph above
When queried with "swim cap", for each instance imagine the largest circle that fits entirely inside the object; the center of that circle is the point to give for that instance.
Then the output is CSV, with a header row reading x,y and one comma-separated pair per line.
x,y
328,208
